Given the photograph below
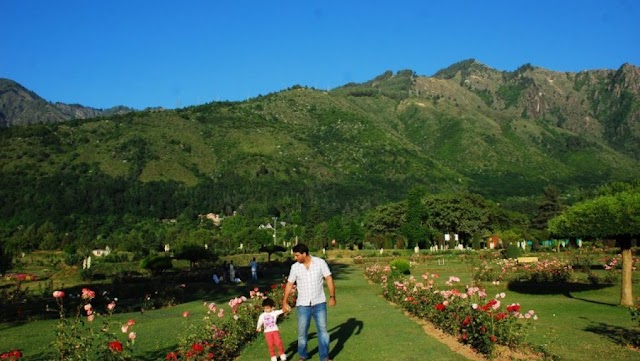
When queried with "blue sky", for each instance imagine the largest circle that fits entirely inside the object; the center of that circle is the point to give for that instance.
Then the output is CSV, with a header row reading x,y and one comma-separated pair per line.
x,y
145,53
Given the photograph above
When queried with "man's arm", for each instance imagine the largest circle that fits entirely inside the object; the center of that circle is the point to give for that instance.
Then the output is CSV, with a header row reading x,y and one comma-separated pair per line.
x,y
285,299
332,290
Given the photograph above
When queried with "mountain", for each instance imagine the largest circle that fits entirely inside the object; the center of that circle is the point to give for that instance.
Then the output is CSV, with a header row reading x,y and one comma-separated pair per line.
x,y
503,135
20,106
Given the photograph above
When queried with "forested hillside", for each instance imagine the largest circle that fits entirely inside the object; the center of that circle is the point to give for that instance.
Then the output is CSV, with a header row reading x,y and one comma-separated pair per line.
x,y
319,160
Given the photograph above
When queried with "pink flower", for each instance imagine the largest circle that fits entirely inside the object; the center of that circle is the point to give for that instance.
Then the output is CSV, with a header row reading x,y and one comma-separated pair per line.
x,y
58,294
131,322
132,336
185,314
111,306
124,328
88,294
221,313
88,307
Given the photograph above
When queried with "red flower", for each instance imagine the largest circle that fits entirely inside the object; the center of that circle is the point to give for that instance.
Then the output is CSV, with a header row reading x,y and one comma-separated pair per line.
x,y
501,315
513,308
440,307
115,346
11,355
15,354
197,347
172,356
466,321
493,338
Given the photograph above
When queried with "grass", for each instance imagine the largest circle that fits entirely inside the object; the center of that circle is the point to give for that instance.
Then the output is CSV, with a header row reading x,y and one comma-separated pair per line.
x,y
362,323
576,321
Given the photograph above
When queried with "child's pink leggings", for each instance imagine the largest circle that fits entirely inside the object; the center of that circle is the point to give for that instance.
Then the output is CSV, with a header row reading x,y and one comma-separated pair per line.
x,y
273,339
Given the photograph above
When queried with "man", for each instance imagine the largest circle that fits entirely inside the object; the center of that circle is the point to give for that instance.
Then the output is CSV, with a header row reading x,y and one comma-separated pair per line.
x,y
254,270
308,273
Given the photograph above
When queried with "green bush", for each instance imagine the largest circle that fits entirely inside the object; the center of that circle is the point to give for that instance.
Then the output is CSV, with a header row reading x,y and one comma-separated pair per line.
x,y
513,251
156,264
400,266
72,259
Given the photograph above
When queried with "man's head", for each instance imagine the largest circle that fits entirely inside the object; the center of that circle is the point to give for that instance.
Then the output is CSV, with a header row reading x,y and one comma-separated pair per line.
x,y
300,252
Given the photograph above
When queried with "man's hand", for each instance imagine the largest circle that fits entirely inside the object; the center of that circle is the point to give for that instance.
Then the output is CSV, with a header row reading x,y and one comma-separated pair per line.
x,y
286,308
332,301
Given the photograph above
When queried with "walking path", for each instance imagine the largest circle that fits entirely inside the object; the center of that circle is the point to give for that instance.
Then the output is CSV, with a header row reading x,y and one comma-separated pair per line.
x,y
363,326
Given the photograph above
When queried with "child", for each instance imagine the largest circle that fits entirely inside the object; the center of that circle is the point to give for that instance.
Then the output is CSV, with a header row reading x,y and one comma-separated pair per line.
x,y
271,333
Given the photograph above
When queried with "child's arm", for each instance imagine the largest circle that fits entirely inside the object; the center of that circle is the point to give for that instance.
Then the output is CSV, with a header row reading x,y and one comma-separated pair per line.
x,y
260,322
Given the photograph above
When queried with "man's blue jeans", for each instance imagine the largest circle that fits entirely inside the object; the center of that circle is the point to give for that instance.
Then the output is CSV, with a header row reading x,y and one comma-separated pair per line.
x,y
319,314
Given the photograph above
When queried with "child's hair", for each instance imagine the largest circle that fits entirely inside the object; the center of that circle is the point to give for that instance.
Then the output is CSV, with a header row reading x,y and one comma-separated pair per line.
x,y
268,302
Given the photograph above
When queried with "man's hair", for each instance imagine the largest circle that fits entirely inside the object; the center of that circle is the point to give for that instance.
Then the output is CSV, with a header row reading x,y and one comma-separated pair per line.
x,y
301,248
268,302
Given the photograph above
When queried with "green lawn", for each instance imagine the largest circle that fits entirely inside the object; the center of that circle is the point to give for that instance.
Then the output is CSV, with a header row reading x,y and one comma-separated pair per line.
x,y
576,322
362,325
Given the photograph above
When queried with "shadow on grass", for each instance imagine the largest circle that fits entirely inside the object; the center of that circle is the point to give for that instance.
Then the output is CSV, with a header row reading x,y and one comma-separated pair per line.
x,y
160,354
619,335
552,288
561,288
340,334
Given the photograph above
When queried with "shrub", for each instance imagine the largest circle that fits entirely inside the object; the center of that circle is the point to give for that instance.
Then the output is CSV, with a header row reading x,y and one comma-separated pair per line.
x,y
478,321
400,266
222,336
156,264
513,251
550,271
72,259
78,338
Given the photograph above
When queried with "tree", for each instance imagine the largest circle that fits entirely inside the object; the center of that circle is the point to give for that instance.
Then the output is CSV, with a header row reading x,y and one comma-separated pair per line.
x,y
415,229
460,213
271,249
549,207
385,219
194,253
5,259
156,264
611,216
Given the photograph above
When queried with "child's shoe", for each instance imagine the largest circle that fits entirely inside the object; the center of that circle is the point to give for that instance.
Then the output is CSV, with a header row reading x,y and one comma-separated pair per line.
x,y
273,358
283,357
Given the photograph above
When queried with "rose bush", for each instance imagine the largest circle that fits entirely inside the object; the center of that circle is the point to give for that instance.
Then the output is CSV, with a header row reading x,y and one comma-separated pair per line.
x,y
220,336
553,270
78,338
469,314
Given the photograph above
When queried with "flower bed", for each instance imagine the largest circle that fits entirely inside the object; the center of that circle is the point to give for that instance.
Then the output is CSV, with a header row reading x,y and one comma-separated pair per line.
x,y
470,315
508,270
219,337
86,333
